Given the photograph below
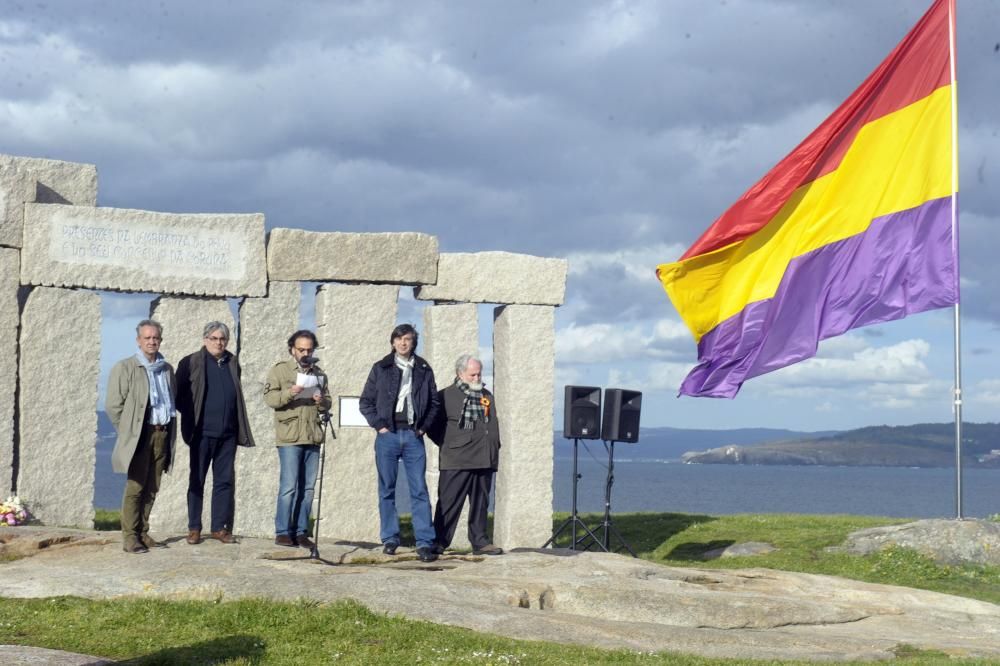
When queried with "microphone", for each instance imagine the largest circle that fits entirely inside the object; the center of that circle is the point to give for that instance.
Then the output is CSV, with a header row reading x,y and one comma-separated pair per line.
x,y
308,361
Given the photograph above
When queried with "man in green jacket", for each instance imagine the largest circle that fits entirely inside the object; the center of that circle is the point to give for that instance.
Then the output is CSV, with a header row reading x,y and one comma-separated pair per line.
x,y
298,392
140,404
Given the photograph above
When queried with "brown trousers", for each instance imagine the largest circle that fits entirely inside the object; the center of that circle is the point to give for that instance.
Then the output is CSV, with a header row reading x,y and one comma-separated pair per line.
x,y
144,472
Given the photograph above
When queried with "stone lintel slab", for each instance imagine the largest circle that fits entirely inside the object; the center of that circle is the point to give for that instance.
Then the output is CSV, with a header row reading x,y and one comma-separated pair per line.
x,y
497,277
183,320
33,179
524,378
120,249
265,324
312,256
57,430
449,332
9,322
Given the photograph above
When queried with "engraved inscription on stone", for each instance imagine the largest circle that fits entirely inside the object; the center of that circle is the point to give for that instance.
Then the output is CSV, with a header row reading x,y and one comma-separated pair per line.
x,y
165,251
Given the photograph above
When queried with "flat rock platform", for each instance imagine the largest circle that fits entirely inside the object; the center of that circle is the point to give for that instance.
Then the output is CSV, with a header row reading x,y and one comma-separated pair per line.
x,y
596,599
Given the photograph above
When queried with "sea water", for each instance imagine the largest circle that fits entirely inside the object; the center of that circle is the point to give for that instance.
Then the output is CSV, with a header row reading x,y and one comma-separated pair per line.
x,y
671,486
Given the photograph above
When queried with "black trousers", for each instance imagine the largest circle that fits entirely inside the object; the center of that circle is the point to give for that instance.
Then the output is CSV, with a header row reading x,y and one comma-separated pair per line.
x,y
454,485
220,455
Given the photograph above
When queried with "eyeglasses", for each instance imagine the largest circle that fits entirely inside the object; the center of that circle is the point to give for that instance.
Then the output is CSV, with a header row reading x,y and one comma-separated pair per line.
x,y
217,339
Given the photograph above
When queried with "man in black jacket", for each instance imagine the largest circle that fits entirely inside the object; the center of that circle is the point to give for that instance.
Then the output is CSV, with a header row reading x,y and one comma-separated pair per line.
x,y
213,422
400,401
470,450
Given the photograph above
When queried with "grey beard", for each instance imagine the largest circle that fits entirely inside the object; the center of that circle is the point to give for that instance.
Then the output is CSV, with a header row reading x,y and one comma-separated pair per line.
x,y
478,386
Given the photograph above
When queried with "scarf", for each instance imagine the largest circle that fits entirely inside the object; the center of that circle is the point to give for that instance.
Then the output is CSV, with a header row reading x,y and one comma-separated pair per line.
x,y
404,401
161,403
476,407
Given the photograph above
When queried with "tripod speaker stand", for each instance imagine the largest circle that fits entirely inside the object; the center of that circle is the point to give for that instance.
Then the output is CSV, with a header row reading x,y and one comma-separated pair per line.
x,y
574,519
607,525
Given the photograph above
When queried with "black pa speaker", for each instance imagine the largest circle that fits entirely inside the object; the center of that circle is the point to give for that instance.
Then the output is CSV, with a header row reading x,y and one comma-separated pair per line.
x,y
582,412
621,415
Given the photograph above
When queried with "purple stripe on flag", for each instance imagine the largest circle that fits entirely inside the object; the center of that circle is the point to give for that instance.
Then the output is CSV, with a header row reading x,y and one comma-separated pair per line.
x,y
902,264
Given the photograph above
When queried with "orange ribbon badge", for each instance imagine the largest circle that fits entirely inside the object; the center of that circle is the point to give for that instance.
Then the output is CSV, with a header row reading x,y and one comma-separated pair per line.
x,y
485,402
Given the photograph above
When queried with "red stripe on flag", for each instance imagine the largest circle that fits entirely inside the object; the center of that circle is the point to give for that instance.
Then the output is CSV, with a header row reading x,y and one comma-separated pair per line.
x,y
918,66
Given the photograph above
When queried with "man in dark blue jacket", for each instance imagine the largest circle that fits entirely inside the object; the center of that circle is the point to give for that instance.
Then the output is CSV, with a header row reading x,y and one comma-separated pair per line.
x,y
400,401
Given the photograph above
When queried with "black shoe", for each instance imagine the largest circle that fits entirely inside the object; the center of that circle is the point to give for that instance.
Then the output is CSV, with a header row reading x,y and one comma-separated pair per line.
x,y
426,554
437,548
134,546
389,547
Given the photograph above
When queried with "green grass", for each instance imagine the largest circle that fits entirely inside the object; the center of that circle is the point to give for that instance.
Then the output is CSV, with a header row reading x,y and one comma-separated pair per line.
x,y
681,540
150,631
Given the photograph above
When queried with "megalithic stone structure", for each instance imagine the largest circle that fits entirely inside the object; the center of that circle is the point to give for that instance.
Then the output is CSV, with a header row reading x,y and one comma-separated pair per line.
x,y
523,375
9,322
183,320
449,331
58,405
265,324
54,242
36,180
353,323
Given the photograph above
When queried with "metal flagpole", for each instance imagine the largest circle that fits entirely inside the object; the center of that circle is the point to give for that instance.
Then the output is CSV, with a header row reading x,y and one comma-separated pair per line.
x,y
954,243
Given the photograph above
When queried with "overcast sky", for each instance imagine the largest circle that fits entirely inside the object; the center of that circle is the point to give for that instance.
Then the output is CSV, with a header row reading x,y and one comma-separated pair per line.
x,y
608,133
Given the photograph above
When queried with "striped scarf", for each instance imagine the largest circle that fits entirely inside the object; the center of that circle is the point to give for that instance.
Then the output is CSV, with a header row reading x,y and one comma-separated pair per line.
x,y
475,407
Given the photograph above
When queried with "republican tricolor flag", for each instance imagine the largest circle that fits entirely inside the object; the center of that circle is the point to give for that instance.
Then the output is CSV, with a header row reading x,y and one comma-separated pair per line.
x,y
855,226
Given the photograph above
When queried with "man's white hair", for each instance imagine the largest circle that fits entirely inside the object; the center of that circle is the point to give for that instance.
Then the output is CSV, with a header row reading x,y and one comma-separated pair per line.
x,y
462,362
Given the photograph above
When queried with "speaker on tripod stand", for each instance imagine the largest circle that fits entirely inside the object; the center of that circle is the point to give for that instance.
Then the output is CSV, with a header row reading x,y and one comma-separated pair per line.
x,y
620,424
581,420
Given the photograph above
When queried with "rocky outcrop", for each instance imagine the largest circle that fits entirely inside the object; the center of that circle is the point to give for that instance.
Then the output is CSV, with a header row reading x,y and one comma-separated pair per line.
x,y
944,541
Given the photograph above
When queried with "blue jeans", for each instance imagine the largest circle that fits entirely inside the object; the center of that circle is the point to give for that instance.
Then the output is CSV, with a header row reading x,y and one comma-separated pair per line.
x,y
390,448
299,464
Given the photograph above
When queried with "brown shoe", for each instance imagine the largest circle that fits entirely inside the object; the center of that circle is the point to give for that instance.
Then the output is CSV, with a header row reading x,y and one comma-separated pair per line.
x,y
150,542
304,541
284,540
194,537
224,535
488,549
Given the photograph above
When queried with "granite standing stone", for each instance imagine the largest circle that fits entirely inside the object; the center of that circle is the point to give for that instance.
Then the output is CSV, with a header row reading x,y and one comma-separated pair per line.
x,y
58,405
17,187
397,258
449,332
183,320
353,323
497,277
32,179
135,250
523,374
265,324
9,322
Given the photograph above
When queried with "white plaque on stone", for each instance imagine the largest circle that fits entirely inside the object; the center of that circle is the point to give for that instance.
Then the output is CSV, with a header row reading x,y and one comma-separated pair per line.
x,y
350,412
133,250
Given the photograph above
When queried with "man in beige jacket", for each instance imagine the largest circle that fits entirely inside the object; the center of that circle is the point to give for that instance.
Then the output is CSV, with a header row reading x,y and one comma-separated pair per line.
x,y
298,392
140,404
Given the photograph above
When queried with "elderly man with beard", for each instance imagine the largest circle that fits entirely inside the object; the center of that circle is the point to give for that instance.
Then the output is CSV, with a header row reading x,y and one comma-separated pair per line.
x,y
469,452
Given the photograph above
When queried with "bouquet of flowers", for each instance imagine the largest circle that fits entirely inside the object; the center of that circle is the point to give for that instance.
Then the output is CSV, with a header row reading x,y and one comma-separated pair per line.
x,y
12,512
